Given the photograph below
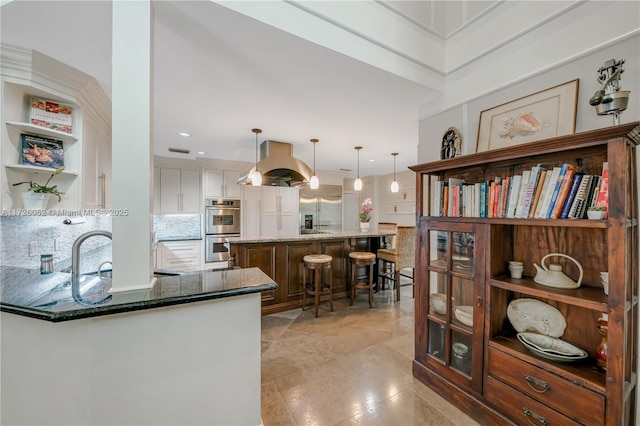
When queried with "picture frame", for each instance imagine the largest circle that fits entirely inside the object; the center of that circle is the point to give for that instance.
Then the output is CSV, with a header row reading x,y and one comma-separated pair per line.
x,y
41,152
541,115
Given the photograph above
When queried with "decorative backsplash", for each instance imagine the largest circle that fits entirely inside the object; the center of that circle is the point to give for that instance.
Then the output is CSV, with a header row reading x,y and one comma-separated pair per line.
x,y
169,227
18,232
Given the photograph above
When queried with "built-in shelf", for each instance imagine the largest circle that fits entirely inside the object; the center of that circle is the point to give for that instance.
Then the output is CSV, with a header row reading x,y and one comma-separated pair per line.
x,y
42,131
36,169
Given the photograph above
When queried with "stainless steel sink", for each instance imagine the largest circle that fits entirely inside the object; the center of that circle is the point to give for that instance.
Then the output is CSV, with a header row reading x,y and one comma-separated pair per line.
x,y
91,290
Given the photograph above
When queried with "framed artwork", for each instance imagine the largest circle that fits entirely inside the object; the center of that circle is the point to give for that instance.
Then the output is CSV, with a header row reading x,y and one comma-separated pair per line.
x,y
541,115
451,144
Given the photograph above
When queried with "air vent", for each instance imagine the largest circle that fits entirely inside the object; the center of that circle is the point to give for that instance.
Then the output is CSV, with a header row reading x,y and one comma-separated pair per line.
x,y
344,170
179,150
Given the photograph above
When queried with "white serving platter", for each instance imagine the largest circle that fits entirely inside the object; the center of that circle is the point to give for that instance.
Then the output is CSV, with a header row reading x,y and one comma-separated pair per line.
x,y
551,348
531,315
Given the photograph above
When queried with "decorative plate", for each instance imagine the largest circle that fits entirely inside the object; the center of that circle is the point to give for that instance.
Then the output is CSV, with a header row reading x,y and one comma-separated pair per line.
x,y
531,315
551,347
464,314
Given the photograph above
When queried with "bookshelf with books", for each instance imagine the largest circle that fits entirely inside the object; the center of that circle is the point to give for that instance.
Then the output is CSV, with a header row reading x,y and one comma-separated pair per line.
x,y
467,349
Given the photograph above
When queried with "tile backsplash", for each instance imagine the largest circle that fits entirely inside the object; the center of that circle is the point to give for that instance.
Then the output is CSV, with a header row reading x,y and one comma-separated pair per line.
x,y
169,227
18,232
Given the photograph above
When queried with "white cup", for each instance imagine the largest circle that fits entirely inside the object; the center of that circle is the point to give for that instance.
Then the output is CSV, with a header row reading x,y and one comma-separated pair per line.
x,y
516,263
516,271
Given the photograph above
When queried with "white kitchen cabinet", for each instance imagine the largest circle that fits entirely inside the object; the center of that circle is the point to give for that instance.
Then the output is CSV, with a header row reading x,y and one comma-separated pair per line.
x,y
96,167
280,209
250,211
269,211
179,255
179,191
221,183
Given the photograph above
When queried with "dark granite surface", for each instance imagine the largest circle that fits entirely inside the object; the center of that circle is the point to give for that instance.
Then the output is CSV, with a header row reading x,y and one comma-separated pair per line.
x,y
52,297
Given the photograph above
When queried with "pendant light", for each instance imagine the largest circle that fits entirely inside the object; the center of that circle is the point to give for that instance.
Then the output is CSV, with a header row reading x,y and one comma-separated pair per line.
x,y
357,185
256,177
314,183
394,184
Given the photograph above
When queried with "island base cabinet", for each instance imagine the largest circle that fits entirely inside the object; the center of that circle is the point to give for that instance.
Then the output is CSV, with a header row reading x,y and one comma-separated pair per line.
x,y
283,262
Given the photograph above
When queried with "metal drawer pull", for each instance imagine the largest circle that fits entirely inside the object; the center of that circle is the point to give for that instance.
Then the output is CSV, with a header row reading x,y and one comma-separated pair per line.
x,y
537,382
541,420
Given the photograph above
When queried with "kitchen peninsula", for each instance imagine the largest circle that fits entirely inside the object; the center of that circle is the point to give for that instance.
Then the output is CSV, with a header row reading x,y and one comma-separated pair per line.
x,y
142,357
281,259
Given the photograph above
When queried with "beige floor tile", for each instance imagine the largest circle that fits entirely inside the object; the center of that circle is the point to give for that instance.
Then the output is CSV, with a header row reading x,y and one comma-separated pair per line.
x,y
348,367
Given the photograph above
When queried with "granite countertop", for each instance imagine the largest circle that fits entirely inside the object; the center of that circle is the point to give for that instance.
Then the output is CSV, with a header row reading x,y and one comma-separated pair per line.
x,y
311,237
50,297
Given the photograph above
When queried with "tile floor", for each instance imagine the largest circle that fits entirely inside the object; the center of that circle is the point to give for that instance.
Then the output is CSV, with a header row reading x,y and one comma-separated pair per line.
x,y
349,367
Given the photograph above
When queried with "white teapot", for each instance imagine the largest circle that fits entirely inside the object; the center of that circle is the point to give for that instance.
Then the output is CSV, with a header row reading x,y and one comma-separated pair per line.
x,y
553,276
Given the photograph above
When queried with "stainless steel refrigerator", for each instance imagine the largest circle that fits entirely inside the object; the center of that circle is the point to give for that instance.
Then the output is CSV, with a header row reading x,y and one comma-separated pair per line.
x,y
321,209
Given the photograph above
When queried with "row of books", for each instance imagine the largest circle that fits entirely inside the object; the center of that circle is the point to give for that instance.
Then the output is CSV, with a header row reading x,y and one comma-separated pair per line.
x,y
539,193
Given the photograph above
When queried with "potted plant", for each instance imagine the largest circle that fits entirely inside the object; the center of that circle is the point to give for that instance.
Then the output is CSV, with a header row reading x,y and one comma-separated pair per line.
x,y
365,214
37,196
596,212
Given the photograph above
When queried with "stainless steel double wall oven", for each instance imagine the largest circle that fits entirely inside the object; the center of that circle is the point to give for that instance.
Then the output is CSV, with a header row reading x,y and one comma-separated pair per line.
x,y
222,220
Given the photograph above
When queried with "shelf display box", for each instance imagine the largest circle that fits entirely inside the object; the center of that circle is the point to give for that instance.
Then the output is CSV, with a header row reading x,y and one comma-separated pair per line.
x,y
41,151
51,114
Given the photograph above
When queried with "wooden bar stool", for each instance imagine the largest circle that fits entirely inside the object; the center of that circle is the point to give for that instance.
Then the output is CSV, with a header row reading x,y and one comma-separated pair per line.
x,y
362,282
317,263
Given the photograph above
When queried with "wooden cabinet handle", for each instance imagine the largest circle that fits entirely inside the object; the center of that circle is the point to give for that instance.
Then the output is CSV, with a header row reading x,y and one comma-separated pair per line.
x,y
540,386
530,414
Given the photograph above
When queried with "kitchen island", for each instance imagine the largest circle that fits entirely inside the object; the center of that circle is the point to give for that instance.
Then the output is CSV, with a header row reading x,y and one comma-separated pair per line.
x,y
186,351
281,259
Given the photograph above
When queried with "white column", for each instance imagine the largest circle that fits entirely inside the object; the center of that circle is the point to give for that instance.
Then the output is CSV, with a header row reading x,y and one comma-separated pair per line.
x,y
132,144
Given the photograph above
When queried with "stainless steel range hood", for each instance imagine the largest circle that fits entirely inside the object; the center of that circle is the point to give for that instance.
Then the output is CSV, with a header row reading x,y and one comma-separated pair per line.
x,y
278,166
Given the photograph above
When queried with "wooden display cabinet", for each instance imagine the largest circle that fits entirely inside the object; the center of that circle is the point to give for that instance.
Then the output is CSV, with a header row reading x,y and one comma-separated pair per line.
x,y
465,260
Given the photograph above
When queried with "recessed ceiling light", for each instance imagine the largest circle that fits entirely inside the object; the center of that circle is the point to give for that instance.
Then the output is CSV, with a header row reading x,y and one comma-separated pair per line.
x,y
201,153
372,161
184,134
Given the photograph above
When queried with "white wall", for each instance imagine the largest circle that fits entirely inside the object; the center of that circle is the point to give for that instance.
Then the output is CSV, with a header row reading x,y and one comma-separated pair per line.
x,y
398,207
466,117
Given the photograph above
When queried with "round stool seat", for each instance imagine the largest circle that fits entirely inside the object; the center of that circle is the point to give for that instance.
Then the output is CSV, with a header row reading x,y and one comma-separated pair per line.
x,y
362,255
317,258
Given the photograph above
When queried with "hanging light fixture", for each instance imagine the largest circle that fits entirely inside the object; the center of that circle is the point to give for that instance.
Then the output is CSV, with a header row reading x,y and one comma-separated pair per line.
x,y
256,177
394,184
314,183
357,185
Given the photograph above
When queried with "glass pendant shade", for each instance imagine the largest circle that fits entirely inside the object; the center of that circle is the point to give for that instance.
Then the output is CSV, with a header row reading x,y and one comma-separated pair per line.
x,y
357,185
394,184
256,177
314,183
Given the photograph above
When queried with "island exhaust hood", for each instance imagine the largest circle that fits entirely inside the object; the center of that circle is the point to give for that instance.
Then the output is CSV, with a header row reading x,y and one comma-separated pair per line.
x,y
278,166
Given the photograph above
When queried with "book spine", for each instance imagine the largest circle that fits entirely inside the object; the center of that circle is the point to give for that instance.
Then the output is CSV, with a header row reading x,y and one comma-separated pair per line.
x,y
496,197
536,197
513,195
531,187
483,199
580,197
563,191
603,193
445,200
543,193
504,195
556,189
522,193
573,191
542,214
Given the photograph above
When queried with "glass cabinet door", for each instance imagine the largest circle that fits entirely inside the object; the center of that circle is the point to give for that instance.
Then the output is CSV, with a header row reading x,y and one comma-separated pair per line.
x,y
453,301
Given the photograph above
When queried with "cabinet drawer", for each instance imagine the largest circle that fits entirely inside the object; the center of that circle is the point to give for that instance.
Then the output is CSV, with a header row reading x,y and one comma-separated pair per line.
x,y
521,409
568,398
